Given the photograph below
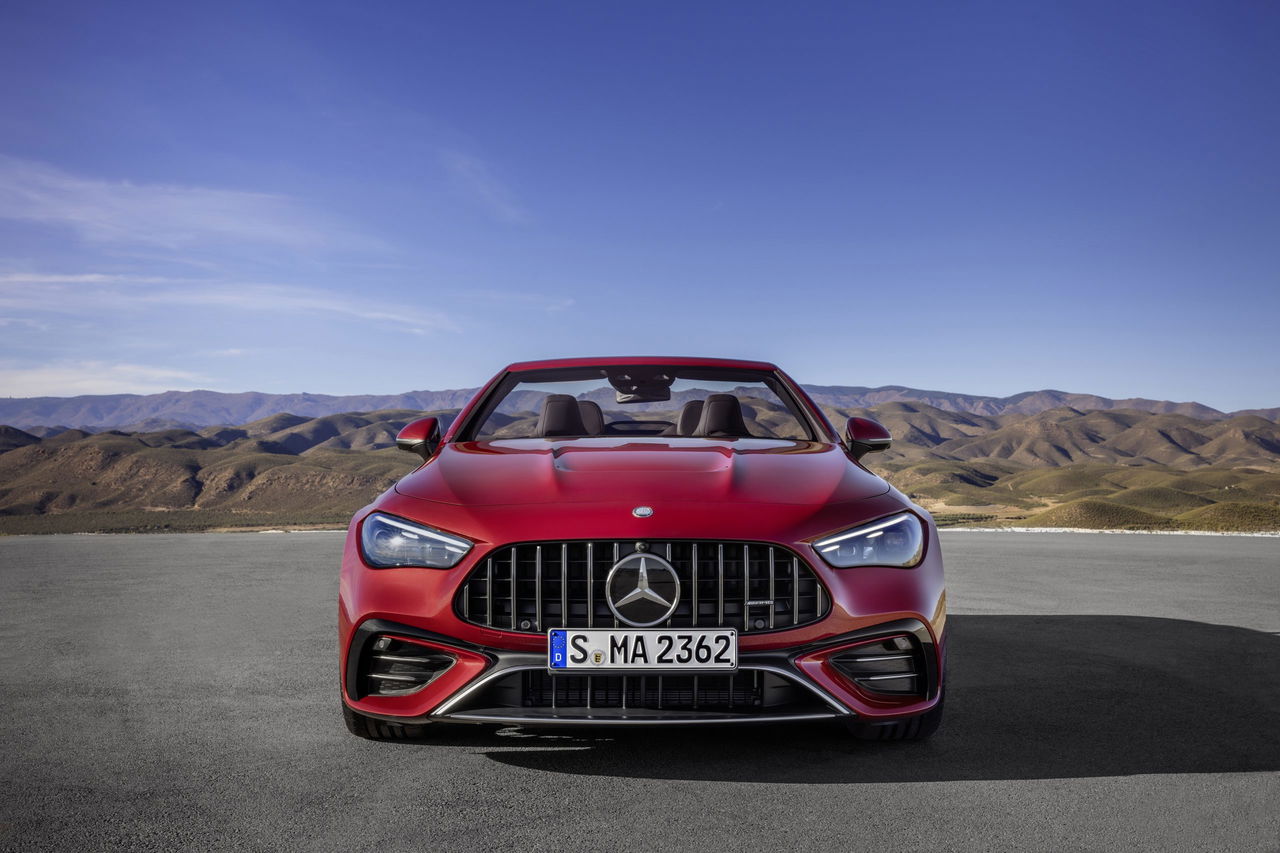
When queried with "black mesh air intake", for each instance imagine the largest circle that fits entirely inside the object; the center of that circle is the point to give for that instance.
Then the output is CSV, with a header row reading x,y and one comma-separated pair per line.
x,y
394,667
747,692
894,666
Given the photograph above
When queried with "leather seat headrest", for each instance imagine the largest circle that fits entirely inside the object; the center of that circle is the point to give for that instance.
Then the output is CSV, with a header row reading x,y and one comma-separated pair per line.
x,y
690,417
592,417
722,418
560,417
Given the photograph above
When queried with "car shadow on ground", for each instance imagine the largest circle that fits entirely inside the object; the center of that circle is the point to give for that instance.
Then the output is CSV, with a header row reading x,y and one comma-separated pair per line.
x,y
1030,697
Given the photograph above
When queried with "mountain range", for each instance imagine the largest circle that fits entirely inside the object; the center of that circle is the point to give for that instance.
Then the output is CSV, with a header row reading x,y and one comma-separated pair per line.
x,y
1067,436
1059,467
197,409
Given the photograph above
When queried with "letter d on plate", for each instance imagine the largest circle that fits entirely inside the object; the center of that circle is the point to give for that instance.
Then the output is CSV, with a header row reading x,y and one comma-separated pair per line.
x,y
556,650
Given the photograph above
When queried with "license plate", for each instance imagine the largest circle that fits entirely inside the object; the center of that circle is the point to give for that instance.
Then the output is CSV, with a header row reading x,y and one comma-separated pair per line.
x,y
631,651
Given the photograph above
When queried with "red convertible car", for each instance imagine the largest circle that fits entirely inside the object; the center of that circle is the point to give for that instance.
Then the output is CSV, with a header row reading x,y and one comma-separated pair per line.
x,y
641,541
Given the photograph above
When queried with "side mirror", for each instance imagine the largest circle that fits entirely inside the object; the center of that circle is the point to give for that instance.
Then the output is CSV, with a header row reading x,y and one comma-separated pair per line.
x,y
866,436
421,437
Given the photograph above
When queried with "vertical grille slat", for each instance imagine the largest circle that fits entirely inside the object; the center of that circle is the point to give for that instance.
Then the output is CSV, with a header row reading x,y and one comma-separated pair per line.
x,y
720,578
670,621
521,588
772,591
537,588
616,546
564,584
591,573
488,592
515,593
693,584
795,590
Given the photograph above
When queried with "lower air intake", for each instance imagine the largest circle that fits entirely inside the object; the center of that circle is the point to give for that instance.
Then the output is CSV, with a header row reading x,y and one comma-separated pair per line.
x,y
395,667
893,666
537,694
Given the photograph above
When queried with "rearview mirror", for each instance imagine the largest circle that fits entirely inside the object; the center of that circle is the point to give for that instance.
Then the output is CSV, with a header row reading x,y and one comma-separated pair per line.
x,y
421,437
866,436
640,386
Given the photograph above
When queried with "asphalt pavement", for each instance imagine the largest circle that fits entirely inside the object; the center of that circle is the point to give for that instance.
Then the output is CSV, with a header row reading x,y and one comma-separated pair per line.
x,y
163,692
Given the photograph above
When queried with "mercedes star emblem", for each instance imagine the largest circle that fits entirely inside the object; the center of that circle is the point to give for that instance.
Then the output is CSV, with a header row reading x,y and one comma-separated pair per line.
x,y
642,589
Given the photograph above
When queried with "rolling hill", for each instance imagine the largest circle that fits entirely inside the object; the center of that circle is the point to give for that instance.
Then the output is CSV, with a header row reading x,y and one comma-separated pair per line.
x,y
1067,436
282,469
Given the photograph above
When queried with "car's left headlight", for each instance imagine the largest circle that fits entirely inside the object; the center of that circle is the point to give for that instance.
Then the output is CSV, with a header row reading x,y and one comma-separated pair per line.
x,y
387,542
894,541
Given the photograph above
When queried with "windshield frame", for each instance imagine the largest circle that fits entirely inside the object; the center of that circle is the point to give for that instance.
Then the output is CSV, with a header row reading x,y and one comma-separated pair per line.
x,y
774,380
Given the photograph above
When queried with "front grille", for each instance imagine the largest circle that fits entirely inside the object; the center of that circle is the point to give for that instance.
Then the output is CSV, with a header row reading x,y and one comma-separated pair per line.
x,y
531,588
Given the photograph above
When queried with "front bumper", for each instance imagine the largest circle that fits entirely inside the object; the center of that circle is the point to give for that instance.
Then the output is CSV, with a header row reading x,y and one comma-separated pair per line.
x,y
810,682
500,675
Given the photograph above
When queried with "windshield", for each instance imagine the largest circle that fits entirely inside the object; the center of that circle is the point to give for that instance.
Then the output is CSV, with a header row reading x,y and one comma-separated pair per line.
x,y
641,400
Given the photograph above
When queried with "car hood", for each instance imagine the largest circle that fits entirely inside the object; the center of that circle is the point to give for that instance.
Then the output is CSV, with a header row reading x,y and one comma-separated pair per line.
x,y
640,470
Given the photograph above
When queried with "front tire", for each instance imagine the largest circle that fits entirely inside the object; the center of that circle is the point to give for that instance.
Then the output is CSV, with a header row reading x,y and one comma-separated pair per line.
x,y
371,728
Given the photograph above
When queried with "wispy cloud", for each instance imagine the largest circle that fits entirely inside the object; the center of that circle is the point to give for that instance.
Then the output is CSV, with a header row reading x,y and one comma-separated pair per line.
x,y
25,322
85,278
102,294
288,299
166,215
69,378
472,177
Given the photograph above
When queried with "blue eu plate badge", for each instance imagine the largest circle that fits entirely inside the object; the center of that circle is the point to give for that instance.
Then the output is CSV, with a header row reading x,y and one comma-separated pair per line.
x,y
557,650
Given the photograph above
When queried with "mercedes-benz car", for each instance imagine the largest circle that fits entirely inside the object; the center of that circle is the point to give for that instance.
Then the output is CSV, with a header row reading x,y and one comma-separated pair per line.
x,y
642,541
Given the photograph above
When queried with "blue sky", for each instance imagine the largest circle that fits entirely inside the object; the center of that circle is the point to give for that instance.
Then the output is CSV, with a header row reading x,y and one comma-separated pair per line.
x,y
378,197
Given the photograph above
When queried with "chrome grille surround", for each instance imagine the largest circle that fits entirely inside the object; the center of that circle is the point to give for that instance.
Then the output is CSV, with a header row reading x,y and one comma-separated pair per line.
x,y
533,587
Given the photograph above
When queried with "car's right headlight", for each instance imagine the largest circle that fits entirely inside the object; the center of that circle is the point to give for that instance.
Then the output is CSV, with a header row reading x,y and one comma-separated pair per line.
x,y
387,542
894,541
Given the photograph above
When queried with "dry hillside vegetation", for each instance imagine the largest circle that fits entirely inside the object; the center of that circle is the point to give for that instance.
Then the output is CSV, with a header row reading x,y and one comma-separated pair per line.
x,y
1063,467
1113,469
281,470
